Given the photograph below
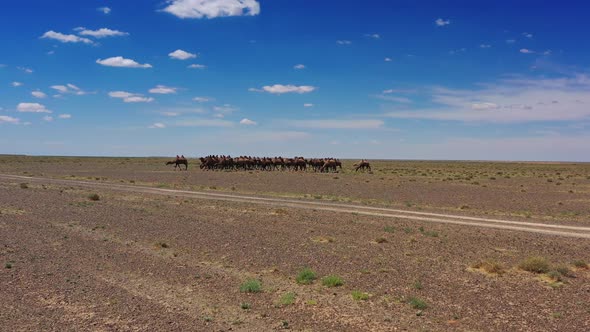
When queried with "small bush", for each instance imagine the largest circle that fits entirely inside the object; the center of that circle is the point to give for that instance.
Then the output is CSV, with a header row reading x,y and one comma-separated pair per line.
x,y
24,186
535,264
245,306
417,303
288,298
381,240
359,296
580,264
94,197
490,266
564,271
8,265
555,276
389,229
163,245
418,285
332,281
251,286
306,276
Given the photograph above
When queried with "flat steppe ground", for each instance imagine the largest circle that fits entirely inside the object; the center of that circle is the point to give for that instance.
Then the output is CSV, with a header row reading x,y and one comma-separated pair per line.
x,y
144,262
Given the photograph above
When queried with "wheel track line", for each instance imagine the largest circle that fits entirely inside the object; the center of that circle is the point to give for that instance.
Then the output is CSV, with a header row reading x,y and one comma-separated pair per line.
x,y
549,229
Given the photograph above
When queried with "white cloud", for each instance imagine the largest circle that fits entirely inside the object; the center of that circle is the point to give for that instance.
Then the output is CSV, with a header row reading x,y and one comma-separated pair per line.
x,y
337,124
101,33
119,61
197,66
69,89
441,23
528,35
48,118
104,10
38,94
485,46
158,125
65,116
8,119
32,108
212,8
181,55
307,105
248,122
66,38
373,35
526,51
547,52
515,100
26,70
201,99
129,97
387,60
16,84
343,42
299,66
162,89
225,109
280,89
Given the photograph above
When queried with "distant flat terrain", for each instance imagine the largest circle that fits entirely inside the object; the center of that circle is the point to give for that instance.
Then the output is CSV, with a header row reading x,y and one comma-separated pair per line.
x,y
78,254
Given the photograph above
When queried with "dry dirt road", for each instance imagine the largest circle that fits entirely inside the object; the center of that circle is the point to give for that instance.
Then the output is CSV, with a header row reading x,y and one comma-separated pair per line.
x,y
543,228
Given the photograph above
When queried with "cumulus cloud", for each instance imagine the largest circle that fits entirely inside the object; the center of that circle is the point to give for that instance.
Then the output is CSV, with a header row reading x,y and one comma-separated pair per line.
x,y
485,46
299,66
343,42
387,60
100,33
38,94
514,100
162,89
181,55
129,97
104,10
119,61
526,51
65,38
32,108
373,35
65,116
157,125
8,119
69,89
25,69
16,84
197,66
527,35
248,122
212,8
441,22
337,124
280,89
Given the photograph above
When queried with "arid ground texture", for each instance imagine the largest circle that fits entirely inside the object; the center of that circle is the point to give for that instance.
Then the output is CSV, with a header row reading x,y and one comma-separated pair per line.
x,y
129,244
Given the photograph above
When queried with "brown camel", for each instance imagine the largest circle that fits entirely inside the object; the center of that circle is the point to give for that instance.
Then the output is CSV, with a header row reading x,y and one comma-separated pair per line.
x,y
362,165
177,162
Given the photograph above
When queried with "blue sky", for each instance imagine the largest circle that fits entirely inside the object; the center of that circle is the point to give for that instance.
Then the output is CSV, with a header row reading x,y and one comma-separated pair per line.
x,y
351,79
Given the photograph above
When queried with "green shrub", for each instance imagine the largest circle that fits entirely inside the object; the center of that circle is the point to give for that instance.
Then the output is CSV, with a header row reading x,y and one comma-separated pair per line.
x,y
288,298
332,281
305,276
359,296
251,286
417,303
580,264
245,306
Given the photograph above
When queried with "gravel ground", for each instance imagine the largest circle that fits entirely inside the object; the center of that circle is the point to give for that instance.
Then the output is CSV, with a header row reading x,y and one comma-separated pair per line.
x,y
146,262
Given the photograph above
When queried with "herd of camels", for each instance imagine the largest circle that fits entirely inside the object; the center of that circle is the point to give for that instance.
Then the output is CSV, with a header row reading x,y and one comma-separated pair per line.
x,y
212,162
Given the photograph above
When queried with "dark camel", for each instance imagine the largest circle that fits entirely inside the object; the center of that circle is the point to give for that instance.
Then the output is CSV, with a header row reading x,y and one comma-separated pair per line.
x,y
178,162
